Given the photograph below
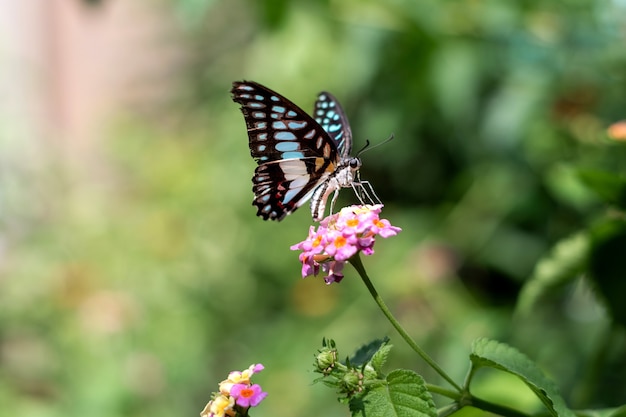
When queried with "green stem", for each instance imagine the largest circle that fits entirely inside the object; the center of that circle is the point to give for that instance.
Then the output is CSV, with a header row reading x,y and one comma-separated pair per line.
x,y
462,397
358,265
448,410
494,408
436,389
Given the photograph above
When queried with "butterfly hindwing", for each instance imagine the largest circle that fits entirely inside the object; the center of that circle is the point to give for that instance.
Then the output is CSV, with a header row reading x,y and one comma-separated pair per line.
x,y
329,114
280,187
293,152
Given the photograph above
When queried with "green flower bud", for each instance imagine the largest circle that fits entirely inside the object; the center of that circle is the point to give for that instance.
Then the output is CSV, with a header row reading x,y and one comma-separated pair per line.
x,y
352,382
325,360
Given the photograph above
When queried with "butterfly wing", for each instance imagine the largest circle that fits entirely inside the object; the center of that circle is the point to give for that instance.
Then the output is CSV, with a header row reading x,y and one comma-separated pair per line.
x,y
329,114
293,152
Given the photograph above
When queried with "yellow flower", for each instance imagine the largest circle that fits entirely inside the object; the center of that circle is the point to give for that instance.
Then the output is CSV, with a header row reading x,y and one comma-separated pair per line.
x,y
221,406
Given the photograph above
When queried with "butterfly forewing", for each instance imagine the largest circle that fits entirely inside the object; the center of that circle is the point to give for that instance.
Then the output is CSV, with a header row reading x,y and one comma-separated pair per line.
x,y
294,153
329,114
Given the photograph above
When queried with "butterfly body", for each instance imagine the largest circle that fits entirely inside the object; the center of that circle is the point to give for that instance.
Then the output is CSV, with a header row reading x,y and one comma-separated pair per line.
x,y
343,177
299,157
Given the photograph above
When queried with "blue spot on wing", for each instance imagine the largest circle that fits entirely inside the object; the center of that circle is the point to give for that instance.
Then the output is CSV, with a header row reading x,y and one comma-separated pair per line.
x,y
292,155
288,146
334,128
284,136
296,125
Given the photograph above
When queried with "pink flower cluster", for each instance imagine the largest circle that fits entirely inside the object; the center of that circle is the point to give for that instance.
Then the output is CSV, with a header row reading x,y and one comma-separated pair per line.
x,y
339,237
236,394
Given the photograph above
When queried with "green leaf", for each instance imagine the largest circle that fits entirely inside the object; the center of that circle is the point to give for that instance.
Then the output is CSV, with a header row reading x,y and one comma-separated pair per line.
x,y
380,357
366,352
404,395
563,264
607,264
609,187
493,354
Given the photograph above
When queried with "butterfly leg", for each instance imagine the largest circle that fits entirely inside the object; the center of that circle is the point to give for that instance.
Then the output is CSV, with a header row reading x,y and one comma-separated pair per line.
x,y
376,199
358,191
332,202
361,190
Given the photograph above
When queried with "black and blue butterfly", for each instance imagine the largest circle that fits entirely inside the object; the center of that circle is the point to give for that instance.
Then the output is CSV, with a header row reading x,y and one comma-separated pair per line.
x,y
299,158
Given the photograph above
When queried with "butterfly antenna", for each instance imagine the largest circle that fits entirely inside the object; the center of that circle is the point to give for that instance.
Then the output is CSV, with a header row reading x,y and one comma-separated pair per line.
x,y
367,145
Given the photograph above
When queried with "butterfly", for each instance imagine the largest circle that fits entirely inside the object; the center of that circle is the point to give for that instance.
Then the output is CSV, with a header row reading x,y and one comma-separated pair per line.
x,y
299,157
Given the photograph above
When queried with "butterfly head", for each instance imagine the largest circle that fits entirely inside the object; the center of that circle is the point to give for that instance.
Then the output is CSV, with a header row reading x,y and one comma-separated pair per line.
x,y
354,163
345,173
351,169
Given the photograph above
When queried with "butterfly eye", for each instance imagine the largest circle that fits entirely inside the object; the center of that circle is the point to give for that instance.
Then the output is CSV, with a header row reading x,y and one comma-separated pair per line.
x,y
355,163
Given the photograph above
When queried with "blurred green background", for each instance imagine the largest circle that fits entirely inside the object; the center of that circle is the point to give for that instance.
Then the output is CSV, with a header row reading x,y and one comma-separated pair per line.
x,y
134,274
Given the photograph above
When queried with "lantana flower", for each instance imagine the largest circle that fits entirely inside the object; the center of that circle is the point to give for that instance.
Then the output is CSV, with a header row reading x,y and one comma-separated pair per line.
x,y
339,237
239,377
219,406
236,394
247,395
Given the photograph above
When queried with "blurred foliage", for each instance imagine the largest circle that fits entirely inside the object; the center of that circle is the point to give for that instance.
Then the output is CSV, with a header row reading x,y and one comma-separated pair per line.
x,y
134,288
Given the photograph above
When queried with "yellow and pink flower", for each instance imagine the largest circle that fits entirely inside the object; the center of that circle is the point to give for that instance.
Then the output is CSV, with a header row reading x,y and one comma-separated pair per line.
x,y
236,394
